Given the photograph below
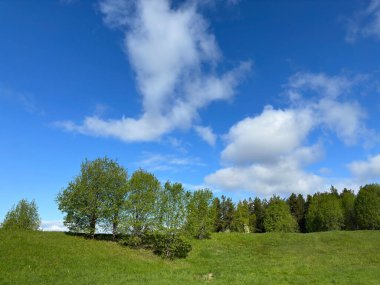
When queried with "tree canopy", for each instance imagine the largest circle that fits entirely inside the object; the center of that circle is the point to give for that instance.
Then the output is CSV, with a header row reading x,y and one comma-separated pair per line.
x,y
22,217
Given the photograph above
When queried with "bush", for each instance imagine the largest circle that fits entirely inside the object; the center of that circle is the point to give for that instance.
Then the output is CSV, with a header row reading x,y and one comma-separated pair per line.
x,y
367,207
131,241
171,246
22,217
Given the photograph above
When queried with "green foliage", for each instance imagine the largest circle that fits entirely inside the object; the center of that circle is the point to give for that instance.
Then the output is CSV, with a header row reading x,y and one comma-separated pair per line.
x,y
142,211
348,201
228,210
259,212
297,208
324,213
96,195
22,217
199,214
171,246
278,217
367,207
241,217
172,205
216,212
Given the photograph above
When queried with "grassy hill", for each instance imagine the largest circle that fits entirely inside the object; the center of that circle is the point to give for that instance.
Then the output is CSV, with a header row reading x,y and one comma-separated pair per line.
x,y
228,258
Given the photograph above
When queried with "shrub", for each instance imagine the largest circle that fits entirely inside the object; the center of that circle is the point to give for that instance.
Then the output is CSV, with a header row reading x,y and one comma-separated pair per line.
x,y
171,246
131,241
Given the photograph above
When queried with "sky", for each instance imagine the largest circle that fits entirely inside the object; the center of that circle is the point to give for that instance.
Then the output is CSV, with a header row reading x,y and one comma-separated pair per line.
x,y
244,97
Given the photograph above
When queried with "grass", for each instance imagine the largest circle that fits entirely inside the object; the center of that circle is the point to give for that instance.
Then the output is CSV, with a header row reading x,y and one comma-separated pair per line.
x,y
227,258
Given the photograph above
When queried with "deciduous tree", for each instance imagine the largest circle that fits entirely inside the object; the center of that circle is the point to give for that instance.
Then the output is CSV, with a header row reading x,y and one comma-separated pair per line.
x,y
22,217
367,207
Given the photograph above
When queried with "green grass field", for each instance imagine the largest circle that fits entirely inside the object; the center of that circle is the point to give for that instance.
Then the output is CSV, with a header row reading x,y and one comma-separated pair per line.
x,y
228,258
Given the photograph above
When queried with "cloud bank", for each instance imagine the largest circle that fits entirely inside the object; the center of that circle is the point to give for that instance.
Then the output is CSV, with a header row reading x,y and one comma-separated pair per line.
x,y
176,61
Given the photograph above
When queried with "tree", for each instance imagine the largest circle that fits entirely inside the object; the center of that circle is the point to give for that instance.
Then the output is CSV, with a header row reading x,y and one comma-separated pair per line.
x,y
367,207
259,212
141,213
348,201
22,217
216,212
173,201
241,217
95,195
297,208
199,215
228,209
325,213
278,217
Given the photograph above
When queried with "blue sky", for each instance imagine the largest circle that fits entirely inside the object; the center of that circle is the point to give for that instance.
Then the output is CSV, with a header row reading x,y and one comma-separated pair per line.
x,y
248,98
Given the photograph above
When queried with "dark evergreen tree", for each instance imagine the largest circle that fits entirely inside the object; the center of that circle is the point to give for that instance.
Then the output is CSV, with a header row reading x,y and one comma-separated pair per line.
x,y
259,212
297,208
348,201
228,209
217,216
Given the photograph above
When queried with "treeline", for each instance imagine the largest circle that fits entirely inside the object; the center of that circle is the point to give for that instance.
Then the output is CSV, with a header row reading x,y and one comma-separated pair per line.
x,y
319,212
139,211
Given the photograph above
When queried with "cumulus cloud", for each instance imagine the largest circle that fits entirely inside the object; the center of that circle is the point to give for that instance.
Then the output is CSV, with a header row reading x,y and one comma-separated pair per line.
x,y
266,136
175,58
365,23
368,169
269,153
280,178
206,134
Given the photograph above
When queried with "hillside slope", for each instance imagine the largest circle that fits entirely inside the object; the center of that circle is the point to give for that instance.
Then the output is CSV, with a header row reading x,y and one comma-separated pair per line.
x,y
228,258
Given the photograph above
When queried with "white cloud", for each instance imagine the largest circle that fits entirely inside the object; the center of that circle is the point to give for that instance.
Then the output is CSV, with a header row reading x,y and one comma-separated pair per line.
x,y
365,23
368,169
326,97
266,136
206,134
56,226
269,153
175,58
283,177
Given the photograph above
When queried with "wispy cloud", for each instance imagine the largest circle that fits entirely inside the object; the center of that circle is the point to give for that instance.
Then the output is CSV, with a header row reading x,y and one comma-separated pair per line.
x,y
365,23
176,60
173,163
23,99
207,134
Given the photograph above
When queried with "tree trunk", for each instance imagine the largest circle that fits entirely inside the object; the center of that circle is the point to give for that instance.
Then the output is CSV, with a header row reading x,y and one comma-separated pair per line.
x,y
114,230
92,227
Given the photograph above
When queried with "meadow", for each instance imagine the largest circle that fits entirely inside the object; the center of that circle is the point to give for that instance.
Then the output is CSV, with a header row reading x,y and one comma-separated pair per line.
x,y
337,257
